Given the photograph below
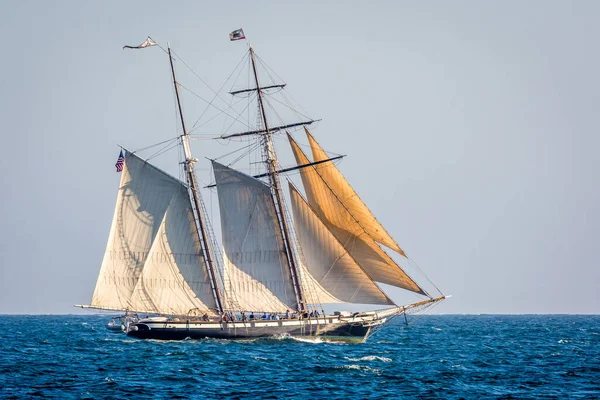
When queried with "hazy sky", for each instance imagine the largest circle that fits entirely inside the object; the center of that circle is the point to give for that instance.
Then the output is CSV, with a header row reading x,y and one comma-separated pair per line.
x,y
471,130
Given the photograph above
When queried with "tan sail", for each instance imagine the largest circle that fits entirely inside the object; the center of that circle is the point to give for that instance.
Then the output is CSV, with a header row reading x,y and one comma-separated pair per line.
x,y
346,194
256,274
347,229
328,261
151,208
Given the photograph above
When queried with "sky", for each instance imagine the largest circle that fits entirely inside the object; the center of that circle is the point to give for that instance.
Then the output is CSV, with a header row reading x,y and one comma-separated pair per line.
x,y
470,129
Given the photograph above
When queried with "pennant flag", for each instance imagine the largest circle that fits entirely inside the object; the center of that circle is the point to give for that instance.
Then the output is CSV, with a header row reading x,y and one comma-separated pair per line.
x,y
237,35
120,162
147,43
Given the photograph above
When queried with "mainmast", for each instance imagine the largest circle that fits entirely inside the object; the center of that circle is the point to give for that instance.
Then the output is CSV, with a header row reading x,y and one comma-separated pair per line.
x,y
271,164
196,202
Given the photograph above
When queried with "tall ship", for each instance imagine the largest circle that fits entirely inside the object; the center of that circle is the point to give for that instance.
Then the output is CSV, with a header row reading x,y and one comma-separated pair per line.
x,y
288,253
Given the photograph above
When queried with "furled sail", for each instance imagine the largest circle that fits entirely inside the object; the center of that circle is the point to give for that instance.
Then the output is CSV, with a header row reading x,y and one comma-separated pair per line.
x,y
328,262
255,270
347,229
346,194
152,261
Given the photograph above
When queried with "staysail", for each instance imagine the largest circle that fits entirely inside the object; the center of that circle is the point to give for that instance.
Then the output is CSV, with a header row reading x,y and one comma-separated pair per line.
x,y
328,262
255,272
346,194
348,228
153,259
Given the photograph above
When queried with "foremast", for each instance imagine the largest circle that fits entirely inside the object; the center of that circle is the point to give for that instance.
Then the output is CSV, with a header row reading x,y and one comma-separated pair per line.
x,y
273,174
190,177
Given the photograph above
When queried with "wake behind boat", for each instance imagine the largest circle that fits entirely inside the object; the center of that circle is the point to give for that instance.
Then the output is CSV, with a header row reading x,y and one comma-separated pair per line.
x,y
163,259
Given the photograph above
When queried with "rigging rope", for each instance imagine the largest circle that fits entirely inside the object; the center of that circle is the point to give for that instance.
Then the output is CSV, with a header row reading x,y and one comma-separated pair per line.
x,y
221,88
201,80
203,99
163,150
154,145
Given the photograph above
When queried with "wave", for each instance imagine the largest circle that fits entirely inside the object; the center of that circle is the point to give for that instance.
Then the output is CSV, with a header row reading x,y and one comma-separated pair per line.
x,y
370,358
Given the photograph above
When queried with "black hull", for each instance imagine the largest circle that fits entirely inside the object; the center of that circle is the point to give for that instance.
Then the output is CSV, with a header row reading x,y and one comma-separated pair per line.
x,y
182,330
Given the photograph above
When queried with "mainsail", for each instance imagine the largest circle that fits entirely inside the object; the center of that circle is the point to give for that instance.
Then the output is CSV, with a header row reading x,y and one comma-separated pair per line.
x,y
328,262
153,259
255,272
339,215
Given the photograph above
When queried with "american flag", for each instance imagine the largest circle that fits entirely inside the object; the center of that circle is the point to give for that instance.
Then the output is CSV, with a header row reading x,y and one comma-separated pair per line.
x,y
120,162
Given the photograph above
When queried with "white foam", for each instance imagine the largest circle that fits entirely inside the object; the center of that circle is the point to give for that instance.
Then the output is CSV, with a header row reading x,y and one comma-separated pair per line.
x,y
315,340
359,368
369,358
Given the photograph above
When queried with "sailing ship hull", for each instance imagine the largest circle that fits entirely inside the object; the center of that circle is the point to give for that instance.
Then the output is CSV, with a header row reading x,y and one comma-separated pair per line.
x,y
354,329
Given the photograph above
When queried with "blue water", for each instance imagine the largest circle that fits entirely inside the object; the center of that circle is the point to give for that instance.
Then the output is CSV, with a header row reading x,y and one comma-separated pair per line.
x,y
487,356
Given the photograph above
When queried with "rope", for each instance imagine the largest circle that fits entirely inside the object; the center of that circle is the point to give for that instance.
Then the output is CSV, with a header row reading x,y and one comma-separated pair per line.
x,y
416,266
235,120
154,145
201,80
206,101
163,150
216,93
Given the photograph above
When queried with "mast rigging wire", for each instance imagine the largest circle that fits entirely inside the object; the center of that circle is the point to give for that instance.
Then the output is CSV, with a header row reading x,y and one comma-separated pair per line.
x,y
207,85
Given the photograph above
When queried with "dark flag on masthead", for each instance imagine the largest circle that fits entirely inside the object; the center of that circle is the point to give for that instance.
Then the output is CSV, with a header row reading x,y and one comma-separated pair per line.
x,y
238,34
120,162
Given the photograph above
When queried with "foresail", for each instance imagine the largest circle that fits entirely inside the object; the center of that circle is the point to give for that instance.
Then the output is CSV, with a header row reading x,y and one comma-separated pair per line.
x,y
346,194
255,271
174,279
314,293
139,229
329,262
347,230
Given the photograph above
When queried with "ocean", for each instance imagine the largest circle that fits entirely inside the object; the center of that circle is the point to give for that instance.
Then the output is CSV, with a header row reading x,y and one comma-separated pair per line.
x,y
448,356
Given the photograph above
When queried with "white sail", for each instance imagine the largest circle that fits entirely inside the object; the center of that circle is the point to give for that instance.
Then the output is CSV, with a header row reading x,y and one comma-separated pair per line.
x,y
255,271
174,279
346,194
140,230
347,229
328,262
312,290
